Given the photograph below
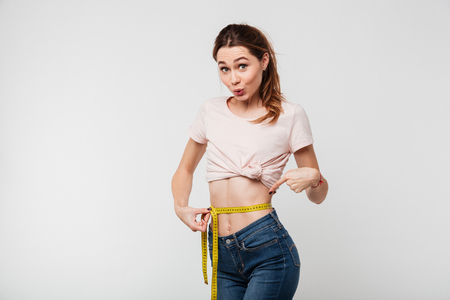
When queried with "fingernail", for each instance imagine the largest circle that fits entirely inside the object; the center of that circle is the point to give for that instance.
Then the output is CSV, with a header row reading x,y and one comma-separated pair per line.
x,y
270,193
209,208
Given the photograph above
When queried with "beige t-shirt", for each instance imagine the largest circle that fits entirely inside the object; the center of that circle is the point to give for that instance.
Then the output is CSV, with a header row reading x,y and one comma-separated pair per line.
x,y
237,147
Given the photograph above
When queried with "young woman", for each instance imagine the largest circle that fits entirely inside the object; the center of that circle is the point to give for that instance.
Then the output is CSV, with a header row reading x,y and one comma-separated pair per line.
x,y
248,138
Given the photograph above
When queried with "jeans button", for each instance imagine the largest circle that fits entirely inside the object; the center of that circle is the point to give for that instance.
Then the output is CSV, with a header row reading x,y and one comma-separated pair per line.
x,y
228,241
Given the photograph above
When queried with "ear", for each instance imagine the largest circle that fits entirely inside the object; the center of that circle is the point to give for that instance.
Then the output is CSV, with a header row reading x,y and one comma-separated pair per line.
x,y
265,60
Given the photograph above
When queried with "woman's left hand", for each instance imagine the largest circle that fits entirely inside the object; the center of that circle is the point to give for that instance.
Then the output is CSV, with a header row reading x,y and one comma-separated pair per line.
x,y
298,179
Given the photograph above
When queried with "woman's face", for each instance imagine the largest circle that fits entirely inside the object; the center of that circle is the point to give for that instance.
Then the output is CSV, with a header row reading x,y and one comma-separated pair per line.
x,y
241,72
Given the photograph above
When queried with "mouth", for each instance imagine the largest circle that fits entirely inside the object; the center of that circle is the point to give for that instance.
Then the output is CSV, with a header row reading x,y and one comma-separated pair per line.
x,y
238,92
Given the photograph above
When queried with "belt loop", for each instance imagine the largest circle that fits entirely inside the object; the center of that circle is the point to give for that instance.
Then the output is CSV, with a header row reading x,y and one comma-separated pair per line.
x,y
236,241
275,218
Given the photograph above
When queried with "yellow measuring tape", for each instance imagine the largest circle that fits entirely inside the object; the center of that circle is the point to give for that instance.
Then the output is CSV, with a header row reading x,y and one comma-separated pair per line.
x,y
214,212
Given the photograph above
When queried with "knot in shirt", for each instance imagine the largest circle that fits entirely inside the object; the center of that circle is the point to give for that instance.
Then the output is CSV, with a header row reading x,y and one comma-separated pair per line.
x,y
253,170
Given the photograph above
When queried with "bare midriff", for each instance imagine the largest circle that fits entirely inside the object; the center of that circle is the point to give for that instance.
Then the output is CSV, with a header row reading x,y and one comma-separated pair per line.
x,y
236,192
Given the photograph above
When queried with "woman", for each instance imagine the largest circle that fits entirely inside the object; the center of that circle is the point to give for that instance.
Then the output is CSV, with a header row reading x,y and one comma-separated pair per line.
x,y
250,137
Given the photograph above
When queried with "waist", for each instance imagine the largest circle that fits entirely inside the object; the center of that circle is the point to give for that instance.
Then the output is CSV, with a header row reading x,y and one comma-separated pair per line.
x,y
238,191
270,219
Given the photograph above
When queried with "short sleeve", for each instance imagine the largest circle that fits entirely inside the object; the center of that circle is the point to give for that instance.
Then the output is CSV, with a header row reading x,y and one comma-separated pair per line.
x,y
197,129
301,135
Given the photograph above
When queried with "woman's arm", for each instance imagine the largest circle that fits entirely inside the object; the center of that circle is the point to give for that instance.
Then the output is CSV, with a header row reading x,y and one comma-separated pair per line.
x,y
306,159
182,185
305,177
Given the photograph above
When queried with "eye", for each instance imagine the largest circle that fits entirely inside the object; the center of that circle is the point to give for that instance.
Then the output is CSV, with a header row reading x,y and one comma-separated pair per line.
x,y
224,69
242,67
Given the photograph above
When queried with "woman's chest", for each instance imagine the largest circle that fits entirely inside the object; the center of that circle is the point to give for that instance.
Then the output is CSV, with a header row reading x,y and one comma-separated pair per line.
x,y
248,138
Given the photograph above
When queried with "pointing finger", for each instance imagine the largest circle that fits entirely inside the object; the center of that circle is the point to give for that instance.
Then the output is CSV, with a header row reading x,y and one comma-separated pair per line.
x,y
277,184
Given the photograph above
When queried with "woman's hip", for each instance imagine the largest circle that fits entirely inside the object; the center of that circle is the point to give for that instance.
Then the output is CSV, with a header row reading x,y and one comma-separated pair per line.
x,y
262,240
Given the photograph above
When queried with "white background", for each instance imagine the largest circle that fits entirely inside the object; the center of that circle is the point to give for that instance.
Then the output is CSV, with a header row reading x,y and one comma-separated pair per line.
x,y
96,98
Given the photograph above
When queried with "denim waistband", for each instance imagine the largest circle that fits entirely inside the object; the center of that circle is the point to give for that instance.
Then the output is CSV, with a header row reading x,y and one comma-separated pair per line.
x,y
267,220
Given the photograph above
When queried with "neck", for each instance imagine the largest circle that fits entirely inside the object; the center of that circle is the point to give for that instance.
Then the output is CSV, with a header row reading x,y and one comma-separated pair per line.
x,y
252,103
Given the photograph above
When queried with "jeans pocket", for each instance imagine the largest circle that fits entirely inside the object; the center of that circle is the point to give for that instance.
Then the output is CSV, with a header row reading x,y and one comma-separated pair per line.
x,y
292,249
260,239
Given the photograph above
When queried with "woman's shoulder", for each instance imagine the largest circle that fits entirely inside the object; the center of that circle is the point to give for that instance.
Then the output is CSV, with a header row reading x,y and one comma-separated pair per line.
x,y
291,108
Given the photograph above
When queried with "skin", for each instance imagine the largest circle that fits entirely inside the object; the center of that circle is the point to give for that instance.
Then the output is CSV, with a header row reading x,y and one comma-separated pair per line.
x,y
242,72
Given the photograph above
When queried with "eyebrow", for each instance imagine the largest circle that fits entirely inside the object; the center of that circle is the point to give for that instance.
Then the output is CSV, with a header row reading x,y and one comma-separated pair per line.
x,y
237,59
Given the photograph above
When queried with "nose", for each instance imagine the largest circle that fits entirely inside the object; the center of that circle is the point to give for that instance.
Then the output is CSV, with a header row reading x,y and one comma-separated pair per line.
x,y
235,78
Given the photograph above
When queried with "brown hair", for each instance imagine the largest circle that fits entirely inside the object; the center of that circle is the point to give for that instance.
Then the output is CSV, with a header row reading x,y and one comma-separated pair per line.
x,y
256,42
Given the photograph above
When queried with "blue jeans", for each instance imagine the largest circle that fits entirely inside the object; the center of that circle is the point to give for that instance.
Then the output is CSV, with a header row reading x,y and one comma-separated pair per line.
x,y
259,262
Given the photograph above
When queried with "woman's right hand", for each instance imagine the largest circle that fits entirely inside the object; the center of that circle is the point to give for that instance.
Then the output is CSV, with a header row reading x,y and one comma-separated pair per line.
x,y
188,215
